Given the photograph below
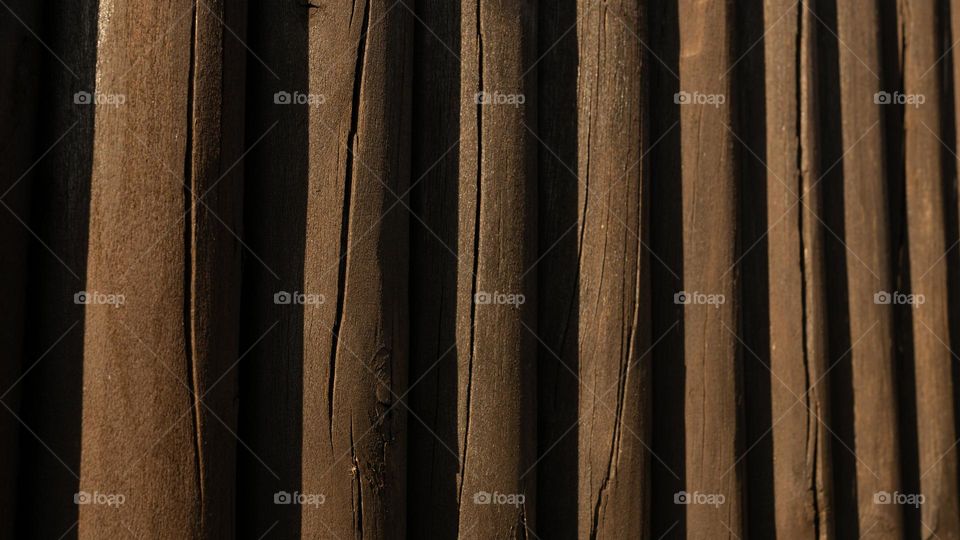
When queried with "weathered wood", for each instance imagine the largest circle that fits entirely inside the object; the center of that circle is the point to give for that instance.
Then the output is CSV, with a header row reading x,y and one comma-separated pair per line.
x,y
140,435
497,244
933,360
818,445
18,103
346,71
867,229
356,344
215,191
613,294
710,194
798,358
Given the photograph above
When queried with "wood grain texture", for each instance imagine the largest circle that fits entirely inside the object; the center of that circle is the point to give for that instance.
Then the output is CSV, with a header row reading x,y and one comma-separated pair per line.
x,y
355,345
869,269
819,447
139,430
614,297
798,354
710,193
341,239
497,244
933,361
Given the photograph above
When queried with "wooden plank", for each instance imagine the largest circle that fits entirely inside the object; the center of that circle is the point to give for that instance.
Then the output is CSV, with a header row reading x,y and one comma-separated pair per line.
x,y
819,448
337,91
801,478
710,195
356,345
497,244
613,294
139,431
867,226
933,360
213,265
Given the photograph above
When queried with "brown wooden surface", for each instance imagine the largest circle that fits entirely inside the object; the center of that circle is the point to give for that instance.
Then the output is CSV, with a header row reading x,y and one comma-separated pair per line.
x,y
394,203
710,191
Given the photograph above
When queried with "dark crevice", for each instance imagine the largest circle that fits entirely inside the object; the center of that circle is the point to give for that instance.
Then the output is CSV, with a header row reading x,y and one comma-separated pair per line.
x,y
345,221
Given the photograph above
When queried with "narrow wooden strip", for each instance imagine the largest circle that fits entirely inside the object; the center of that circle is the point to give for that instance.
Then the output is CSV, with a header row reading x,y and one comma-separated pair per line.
x,y
867,242
613,295
496,315
819,436
710,196
139,433
933,361
216,194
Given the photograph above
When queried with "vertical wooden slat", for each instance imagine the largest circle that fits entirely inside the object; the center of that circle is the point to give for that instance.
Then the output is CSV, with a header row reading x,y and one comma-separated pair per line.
x,y
18,105
139,417
497,397
216,194
933,362
354,434
867,225
795,267
709,251
613,295
819,450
